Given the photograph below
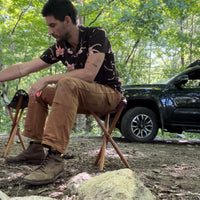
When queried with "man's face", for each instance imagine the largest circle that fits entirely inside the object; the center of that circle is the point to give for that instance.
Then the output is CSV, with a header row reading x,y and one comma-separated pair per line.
x,y
57,28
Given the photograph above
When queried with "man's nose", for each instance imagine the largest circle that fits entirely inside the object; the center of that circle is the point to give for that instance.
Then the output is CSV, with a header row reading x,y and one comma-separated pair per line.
x,y
50,31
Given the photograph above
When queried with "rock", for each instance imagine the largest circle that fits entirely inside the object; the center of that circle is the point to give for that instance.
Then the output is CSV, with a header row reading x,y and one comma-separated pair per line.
x,y
31,198
76,181
118,185
3,196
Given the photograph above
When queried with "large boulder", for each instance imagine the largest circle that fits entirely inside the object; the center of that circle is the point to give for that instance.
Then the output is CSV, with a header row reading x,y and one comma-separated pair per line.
x,y
75,182
3,196
118,185
31,198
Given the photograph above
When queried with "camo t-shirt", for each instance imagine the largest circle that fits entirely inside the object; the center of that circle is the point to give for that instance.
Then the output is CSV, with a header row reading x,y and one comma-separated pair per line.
x,y
91,40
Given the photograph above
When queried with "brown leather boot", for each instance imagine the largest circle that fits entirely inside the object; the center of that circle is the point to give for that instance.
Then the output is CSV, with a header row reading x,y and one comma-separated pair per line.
x,y
51,168
34,154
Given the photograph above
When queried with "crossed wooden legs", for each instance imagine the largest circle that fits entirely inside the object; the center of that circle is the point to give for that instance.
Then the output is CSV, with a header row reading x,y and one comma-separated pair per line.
x,y
107,138
15,126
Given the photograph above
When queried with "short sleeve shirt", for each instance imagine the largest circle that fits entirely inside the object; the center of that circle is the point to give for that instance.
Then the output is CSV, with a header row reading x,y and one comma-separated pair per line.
x,y
91,40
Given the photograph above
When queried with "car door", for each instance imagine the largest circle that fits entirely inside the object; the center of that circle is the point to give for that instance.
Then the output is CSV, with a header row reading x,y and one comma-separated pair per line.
x,y
186,100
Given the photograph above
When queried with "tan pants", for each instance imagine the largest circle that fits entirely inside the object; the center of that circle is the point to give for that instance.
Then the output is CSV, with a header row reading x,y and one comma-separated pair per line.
x,y
69,97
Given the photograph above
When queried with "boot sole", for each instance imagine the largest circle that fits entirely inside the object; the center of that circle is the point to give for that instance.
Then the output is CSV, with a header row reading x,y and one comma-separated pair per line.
x,y
37,162
42,182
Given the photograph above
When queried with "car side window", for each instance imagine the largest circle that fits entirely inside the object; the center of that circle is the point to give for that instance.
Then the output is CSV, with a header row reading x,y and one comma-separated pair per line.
x,y
192,83
194,80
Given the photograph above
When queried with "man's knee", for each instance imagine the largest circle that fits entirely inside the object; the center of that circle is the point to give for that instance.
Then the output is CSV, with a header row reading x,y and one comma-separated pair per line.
x,y
46,95
68,83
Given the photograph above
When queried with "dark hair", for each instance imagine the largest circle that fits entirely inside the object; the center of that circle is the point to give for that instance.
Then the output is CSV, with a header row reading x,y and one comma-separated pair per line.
x,y
59,9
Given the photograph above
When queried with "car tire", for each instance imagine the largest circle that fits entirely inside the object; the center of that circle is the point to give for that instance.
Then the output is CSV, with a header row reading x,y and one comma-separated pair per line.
x,y
139,124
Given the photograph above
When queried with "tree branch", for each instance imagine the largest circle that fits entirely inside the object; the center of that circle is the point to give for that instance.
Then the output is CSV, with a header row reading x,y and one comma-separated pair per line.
x,y
20,16
100,12
133,49
96,18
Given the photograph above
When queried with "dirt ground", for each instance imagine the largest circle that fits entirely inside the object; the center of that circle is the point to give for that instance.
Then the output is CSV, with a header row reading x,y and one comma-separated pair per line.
x,y
170,169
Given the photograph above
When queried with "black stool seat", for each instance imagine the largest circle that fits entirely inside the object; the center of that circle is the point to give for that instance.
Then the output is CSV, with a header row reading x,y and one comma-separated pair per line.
x,y
15,100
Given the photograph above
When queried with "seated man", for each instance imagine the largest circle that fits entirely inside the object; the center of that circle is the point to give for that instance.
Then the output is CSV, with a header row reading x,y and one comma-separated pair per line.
x,y
91,84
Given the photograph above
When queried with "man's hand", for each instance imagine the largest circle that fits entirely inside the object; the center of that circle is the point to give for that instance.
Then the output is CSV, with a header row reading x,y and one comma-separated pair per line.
x,y
36,89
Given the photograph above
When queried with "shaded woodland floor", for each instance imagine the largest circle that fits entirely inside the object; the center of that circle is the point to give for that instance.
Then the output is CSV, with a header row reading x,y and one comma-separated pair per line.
x,y
169,168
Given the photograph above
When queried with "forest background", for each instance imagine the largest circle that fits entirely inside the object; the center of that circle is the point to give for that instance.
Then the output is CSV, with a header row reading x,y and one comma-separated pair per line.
x,y
152,40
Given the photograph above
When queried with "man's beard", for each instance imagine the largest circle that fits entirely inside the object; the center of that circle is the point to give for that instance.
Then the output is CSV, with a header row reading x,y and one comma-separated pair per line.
x,y
64,37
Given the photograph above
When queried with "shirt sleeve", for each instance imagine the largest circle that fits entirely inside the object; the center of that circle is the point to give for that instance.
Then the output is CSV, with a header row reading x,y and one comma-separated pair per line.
x,y
98,41
49,56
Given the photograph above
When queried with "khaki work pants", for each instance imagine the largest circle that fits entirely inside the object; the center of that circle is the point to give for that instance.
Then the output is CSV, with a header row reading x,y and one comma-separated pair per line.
x,y
69,97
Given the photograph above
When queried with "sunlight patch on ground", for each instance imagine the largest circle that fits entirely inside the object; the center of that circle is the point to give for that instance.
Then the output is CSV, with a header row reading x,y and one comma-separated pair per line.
x,y
178,170
110,152
13,176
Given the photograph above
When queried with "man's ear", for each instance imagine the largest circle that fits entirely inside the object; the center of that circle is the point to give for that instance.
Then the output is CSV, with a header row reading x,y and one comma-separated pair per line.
x,y
67,20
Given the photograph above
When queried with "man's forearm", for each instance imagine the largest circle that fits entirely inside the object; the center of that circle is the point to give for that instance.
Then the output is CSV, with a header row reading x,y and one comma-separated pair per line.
x,y
79,73
22,69
10,73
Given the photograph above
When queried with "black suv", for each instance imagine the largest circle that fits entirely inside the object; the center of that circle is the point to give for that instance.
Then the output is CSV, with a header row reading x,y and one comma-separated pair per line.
x,y
173,106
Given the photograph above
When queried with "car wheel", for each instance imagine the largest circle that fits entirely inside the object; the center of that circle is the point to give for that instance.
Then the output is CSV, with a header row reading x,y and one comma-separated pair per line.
x,y
139,124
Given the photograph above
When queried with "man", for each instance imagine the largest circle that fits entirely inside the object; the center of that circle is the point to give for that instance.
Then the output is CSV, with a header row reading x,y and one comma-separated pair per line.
x,y
91,84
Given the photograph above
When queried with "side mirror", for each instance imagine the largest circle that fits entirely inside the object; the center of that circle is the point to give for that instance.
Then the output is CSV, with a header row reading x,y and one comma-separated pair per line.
x,y
181,80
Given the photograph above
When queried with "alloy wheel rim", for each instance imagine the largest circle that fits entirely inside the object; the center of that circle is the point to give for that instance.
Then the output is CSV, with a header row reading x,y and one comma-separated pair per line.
x,y
141,126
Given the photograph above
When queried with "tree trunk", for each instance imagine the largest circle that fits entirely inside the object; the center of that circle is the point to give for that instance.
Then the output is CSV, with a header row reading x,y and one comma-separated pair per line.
x,y
191,42
1,86
182,49
80,124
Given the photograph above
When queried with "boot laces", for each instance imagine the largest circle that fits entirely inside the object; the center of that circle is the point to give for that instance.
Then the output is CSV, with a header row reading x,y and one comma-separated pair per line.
x,y
46,161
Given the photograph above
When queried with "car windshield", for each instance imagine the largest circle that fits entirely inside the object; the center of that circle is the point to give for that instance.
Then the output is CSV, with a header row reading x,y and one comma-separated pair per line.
x,y
169,80
193,74
162,81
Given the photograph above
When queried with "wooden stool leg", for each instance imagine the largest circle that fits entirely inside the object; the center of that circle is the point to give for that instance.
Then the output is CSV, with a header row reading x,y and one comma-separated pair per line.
x,y
98,157
119,152
107,135
104,141
15,127
21,140
12,135
103,152
115,120
18,132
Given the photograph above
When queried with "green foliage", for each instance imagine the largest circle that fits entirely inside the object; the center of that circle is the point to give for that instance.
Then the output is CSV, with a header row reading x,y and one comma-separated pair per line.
x,y
186,136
